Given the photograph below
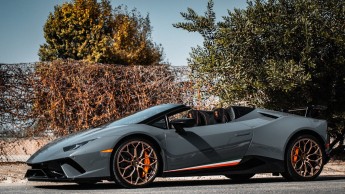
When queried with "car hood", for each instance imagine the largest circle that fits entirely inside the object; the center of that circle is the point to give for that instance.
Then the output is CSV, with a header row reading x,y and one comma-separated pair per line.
x,y
54,149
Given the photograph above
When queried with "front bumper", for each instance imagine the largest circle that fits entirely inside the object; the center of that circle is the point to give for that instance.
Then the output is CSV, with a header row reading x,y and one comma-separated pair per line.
x,y
41,175
63,170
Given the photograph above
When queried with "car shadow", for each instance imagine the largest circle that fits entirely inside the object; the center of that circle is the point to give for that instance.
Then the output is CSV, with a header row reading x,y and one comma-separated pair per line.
x,y
72,186
178,183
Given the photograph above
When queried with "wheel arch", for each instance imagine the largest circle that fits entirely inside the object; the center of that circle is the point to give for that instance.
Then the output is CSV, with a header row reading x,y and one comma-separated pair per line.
x,y
304,132
142,136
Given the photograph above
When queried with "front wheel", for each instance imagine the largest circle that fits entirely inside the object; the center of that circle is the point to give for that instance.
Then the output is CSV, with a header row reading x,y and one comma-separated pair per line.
x,y
135,163
304,159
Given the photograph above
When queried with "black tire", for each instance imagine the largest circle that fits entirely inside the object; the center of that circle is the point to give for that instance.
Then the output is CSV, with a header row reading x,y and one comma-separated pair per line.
x,y
240,177
135,163
304,160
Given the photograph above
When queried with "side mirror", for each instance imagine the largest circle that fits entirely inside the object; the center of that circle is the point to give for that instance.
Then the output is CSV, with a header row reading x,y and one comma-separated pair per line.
x,y
180,124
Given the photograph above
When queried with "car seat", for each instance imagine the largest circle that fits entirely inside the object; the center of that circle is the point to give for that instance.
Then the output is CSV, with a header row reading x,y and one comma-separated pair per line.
x,y
221,115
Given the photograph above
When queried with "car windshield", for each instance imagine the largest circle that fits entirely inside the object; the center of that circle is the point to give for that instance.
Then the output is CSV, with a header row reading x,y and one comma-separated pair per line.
x,y
142,115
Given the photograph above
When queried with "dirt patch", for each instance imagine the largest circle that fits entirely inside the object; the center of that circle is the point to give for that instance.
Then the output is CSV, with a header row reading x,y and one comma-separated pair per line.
x,y
336,167
14,173
20,149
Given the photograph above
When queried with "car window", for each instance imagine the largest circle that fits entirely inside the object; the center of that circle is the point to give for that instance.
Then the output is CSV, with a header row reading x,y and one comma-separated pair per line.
x,y
179,115
141,115
160,123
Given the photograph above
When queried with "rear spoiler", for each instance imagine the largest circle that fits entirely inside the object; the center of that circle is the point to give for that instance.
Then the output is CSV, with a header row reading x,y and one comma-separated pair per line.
x,y
308,111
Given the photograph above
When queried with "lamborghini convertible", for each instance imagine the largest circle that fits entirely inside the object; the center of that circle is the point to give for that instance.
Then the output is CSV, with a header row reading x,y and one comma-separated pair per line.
x,y
172,140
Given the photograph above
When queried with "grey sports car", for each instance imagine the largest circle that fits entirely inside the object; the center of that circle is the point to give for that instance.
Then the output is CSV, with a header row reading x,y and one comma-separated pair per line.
x,y
174,140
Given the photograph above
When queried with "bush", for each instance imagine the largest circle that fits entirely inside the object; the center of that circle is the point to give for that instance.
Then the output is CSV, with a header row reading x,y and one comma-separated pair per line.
x,y
75,95
67,96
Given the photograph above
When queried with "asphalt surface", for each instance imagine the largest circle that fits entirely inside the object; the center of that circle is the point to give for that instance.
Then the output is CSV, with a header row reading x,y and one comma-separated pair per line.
x,y
322,185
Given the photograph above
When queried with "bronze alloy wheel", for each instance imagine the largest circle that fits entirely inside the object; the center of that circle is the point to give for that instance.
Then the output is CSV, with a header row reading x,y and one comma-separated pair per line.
x,y
306,157
136,163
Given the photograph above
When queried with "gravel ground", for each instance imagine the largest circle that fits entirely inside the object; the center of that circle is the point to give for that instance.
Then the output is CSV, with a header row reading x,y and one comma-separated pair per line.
x,y
13,173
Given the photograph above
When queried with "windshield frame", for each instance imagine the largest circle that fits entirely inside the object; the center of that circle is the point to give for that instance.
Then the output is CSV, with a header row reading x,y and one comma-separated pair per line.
x,y
146,115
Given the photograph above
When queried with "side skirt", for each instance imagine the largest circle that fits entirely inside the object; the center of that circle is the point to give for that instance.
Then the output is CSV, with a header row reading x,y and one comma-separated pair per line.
x,y
249,164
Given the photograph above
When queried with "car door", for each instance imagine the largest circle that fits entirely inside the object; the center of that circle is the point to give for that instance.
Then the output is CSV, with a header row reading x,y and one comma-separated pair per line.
x,y
203,147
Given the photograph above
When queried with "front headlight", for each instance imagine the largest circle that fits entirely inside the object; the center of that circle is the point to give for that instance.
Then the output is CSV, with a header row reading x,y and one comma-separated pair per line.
x,y
76,146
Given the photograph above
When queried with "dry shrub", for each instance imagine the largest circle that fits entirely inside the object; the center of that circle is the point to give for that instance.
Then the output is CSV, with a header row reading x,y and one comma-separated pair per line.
x,y
16,98
75,95
67,96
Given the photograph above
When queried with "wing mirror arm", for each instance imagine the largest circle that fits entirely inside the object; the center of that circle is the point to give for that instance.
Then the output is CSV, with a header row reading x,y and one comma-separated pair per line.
x,y
179,129
180,124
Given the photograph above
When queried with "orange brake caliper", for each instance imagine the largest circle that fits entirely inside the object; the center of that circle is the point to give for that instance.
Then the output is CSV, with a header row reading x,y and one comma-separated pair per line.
x,y
147,163
295,156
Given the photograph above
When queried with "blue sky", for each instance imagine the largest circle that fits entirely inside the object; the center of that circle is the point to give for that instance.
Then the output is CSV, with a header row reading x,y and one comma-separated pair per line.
x,y
21,24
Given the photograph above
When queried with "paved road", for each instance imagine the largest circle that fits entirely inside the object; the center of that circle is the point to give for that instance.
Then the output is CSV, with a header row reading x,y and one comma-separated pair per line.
x,y
323,185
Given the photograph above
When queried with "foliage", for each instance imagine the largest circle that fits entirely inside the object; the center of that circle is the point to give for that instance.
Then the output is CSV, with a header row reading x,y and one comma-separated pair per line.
x,y
75,95
16,98
92,31
65,96
274,53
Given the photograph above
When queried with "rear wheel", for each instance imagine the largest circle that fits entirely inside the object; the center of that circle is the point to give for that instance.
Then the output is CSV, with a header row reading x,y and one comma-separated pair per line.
x,y
304,159
135,163
240,177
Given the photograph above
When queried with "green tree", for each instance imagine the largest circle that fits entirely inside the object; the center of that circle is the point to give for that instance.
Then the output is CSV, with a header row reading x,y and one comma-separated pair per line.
x,y
92,31
274,53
